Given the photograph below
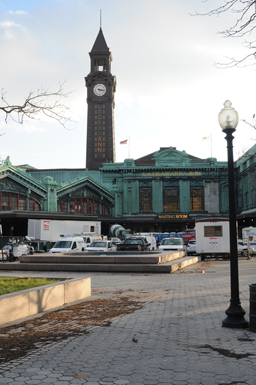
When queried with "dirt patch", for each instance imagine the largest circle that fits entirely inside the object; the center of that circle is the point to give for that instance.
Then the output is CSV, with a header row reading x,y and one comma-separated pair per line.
x,y
16,341
198,268
227,353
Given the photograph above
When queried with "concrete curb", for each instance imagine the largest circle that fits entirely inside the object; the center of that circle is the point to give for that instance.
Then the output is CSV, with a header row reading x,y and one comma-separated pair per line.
x,y
29,302
167,267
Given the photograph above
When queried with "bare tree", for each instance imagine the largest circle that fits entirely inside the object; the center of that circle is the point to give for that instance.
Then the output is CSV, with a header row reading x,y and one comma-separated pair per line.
x,y
243,27
38,103
253,124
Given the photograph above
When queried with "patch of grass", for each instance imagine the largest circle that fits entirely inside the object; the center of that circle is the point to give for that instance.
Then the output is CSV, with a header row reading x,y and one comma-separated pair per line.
x,y
13,284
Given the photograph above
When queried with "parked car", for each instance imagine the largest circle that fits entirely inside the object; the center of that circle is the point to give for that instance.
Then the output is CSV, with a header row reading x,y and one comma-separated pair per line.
x,y
191,247
242,248
88,239
7,249
134,244
4,253
115,241
104,246
252,249
172,244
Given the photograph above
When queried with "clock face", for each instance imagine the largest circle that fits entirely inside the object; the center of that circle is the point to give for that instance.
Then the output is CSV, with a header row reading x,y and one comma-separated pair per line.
x,y
99,89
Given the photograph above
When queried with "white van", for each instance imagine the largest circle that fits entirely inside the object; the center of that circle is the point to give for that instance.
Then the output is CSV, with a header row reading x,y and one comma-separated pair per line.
x,y
68,245
89,238
150,238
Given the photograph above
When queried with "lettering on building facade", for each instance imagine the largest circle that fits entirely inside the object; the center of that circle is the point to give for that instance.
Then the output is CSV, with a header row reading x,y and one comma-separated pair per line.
x,y
172,173
99,130
173,216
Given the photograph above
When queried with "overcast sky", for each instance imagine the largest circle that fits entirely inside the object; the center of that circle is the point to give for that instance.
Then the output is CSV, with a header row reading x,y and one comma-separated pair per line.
x,y
169,92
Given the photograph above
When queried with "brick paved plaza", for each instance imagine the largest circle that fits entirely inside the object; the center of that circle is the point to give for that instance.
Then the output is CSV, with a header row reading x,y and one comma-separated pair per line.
x,y
174,338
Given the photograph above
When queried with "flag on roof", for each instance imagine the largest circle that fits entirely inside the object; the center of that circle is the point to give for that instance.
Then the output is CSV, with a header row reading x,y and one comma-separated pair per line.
x,y
124,141
206,137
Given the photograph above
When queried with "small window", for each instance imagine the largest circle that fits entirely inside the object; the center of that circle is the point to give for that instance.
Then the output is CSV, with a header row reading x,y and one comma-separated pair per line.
x,y
213,231
100,65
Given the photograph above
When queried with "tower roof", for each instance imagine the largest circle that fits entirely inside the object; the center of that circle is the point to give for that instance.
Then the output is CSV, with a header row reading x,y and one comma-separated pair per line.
x,y
100,43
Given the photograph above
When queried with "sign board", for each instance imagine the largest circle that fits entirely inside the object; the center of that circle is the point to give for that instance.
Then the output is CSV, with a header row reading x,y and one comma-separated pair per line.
x,y
173,216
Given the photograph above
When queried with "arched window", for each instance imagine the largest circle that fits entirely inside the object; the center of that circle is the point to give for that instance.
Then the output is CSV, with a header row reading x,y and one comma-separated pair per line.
x,y
83,206
13,201
33,205
22,202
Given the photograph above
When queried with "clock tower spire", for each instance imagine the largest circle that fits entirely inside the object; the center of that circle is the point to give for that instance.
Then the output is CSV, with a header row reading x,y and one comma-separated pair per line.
x,y
101,86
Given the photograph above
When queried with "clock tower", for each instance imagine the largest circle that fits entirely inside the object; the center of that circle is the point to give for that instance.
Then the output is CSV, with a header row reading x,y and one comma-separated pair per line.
x,y
101,86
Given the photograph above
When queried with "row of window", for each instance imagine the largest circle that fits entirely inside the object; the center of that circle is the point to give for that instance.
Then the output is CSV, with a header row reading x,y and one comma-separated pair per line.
x,y
83,206
247,200
12,201
171,200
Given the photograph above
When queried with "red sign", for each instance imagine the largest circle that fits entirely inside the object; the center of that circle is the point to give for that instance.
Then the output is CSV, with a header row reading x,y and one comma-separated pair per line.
x,y
46,225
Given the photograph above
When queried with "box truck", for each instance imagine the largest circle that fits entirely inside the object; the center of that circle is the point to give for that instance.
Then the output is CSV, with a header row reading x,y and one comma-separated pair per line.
x,y
212,237
51,230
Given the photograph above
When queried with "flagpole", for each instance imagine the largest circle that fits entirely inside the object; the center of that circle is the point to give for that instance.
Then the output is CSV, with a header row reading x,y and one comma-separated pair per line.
x,y
207,138
129,149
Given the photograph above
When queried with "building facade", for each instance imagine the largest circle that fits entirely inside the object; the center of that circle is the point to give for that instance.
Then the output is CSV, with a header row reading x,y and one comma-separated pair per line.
x,y
246,188
167,190
164,191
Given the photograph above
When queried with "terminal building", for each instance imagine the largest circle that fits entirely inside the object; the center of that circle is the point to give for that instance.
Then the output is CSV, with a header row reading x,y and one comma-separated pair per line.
x,y
163,191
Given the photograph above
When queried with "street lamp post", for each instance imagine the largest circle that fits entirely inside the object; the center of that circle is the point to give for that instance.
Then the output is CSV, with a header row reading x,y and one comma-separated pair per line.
x,y
228,119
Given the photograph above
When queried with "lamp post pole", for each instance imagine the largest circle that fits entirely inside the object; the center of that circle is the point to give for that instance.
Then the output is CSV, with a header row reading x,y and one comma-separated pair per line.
x,y
228,119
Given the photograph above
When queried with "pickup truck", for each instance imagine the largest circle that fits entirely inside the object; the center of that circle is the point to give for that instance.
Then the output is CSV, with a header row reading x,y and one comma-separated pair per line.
x,y
133,244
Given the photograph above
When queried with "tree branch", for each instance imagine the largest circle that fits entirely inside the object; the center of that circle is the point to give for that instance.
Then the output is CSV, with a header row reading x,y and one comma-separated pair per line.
x,y
250,124
42,102
245,24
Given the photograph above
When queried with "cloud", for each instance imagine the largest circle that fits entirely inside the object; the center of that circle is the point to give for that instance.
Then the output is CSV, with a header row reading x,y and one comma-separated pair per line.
x,y
8,28
168,89
17,12
8,24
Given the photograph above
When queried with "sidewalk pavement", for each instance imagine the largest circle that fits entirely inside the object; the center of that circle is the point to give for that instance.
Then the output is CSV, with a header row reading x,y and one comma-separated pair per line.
x,y
176,338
